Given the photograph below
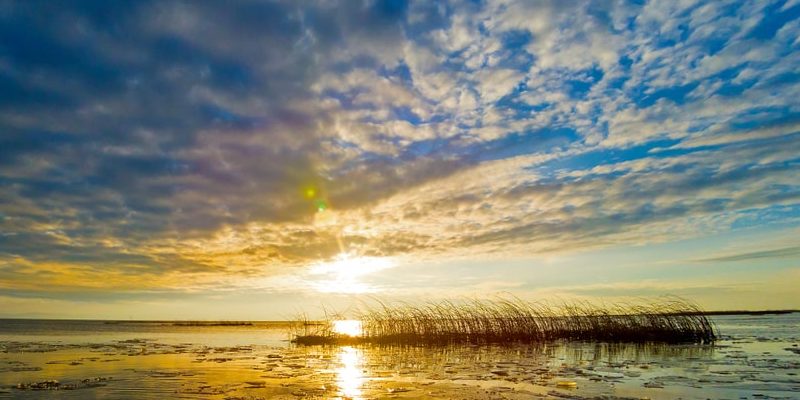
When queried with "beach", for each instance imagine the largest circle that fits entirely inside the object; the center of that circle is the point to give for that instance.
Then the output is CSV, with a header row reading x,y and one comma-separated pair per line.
x,y
757,357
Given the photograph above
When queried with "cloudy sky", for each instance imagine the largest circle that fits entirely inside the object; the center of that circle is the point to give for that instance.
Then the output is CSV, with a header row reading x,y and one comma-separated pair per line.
x,y
253,159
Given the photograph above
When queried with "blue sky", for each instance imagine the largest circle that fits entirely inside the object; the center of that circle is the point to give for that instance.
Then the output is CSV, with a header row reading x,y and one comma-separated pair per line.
x,y
174,159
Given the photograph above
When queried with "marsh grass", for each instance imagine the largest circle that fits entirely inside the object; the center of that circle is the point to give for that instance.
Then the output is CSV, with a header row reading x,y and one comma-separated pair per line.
x,y
671,320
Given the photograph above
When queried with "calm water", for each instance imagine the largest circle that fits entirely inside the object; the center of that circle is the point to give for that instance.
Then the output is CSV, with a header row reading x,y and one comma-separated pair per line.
x,y
758,358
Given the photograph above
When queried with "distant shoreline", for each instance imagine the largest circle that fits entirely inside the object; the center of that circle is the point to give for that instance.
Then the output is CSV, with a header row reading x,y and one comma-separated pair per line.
x,y
744,312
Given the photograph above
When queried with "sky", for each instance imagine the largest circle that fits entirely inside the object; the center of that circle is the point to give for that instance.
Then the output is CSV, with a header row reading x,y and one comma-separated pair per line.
x,y
258,159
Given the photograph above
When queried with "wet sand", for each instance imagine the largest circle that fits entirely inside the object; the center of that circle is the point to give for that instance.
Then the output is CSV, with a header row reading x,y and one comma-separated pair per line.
x,y
229,363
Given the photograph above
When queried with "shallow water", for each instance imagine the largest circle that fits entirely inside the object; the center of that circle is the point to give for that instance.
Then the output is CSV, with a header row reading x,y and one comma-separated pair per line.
x,y
757,358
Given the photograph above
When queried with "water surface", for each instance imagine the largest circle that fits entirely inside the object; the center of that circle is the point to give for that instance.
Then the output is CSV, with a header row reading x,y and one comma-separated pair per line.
x,y
758,357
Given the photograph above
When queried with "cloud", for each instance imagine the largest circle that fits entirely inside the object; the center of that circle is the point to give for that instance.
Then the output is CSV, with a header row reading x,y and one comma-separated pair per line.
x,y
786,252
162,140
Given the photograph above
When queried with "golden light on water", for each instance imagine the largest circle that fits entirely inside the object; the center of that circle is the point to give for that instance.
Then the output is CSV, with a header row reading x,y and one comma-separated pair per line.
x,y
350,376
349,327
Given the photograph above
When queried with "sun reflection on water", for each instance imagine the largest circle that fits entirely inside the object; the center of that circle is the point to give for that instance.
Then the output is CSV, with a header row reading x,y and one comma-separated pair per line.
x,y
350,376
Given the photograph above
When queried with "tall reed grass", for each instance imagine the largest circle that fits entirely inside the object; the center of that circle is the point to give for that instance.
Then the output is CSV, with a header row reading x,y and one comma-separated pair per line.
x,y
671,320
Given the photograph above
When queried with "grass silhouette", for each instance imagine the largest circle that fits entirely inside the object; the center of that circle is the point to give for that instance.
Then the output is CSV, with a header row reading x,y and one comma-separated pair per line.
x,y
670,320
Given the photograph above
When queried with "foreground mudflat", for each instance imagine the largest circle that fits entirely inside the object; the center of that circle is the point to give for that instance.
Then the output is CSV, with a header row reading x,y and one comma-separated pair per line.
x,y
758,359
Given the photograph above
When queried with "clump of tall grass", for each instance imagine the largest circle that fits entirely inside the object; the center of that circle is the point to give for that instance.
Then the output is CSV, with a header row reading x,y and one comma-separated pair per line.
x,y
671,320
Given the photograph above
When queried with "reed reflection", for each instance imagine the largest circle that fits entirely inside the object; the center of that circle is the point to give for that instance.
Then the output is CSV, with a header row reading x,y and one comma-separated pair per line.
x,y
466,359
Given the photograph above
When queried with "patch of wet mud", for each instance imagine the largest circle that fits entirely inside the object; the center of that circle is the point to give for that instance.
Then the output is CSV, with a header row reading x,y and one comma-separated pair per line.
x,y
57,385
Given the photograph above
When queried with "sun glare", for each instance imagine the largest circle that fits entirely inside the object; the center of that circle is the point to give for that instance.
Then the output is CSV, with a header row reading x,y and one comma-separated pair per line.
x,y
350,376
345,273
349,327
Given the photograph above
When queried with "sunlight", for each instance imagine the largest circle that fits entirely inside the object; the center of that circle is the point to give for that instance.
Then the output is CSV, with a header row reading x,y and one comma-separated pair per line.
x,y
350,376
349,327
345,272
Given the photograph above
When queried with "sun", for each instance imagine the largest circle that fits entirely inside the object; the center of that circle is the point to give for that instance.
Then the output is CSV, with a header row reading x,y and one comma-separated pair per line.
x,y
344,273
348,327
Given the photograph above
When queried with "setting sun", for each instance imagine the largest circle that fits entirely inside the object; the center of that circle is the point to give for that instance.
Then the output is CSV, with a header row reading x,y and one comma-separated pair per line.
x,y
349,327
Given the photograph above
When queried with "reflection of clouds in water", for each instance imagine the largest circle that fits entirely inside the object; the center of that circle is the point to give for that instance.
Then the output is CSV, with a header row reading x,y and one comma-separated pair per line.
x,y
350,377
